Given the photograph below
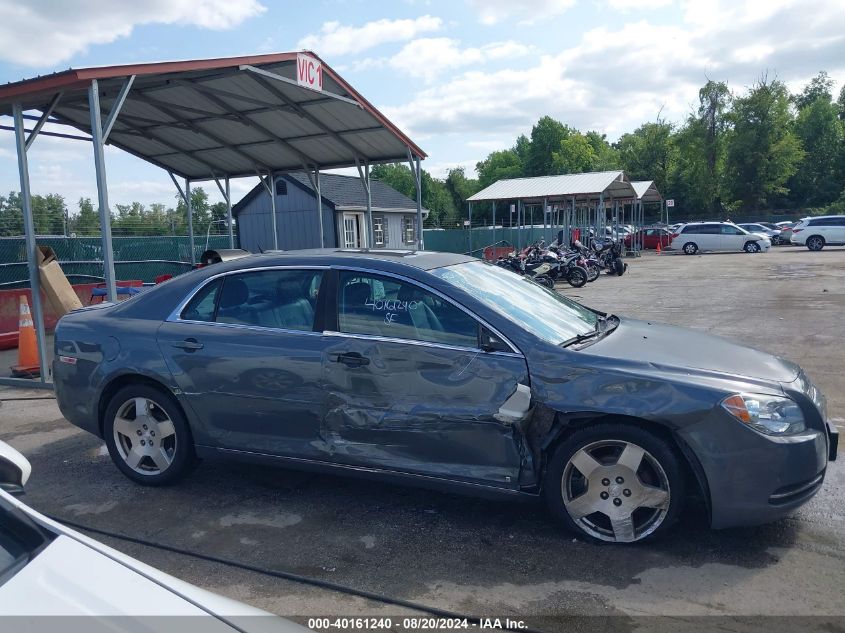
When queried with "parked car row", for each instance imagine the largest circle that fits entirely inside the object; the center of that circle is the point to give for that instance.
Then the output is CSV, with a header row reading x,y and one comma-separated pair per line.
x,y
719,236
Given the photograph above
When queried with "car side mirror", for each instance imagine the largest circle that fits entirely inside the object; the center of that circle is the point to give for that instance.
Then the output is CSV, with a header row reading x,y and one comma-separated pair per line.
x,y
489,342
14,469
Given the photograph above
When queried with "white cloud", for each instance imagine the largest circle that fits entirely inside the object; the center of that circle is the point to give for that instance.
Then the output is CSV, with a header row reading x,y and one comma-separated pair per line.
x,y
617,77
338,39
429,57
43,33
638,5
492,12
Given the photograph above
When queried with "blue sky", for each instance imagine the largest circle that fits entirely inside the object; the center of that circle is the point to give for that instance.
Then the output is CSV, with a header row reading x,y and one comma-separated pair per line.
x,y
462,77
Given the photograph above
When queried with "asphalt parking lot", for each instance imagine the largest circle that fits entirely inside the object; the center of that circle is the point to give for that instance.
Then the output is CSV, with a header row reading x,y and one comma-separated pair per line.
x,y
483,557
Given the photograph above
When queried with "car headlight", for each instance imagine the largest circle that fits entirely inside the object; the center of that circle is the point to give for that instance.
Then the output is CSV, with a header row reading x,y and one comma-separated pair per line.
x,y
770,415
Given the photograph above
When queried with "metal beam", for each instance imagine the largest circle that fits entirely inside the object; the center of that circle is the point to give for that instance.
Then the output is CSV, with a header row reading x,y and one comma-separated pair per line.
x,y
73,137
116,106
102,190
420,244
229,218
29,233
275,77
371,234
245,120
307,115
190,209
43,119
319,206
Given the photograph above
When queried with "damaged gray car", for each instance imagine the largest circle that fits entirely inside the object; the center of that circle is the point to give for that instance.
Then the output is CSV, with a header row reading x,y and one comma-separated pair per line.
x,y
441,370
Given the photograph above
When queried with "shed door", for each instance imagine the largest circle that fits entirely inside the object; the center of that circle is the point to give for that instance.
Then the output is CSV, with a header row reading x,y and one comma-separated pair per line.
x,y
353,230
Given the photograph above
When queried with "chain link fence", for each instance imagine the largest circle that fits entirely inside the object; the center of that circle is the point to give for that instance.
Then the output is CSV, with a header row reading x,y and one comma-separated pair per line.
x,y
81,258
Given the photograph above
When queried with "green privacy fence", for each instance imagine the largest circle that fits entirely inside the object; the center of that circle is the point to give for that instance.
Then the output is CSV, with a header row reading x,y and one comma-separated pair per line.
x,y
81,258
458,240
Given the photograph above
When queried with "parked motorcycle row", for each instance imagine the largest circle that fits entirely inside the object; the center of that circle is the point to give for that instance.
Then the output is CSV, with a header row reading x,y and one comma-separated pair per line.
x,y
577,265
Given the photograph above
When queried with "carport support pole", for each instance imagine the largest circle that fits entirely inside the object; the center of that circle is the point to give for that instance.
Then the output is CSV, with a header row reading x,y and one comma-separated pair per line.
x,y
272,182
102,189
320,205
229,215
469,229
29,232
189,209
494,224
420,243
371,230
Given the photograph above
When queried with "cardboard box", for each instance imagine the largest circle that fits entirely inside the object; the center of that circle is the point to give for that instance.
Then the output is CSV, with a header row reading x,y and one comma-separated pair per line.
x,y
59,292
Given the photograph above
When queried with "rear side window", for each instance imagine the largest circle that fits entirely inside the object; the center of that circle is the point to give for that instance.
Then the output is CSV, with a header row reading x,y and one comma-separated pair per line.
x,y
384,306
204,303
280,299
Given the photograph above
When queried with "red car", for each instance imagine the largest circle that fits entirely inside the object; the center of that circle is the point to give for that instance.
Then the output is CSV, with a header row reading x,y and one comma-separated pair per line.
x,y
650,238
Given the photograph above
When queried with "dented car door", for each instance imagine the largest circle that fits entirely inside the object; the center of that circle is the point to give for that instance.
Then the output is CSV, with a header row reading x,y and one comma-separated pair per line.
x,y
409,389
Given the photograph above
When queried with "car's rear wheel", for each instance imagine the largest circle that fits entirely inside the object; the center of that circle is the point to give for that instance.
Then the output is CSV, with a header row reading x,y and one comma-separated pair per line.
x,y
147,435
577,276
815,243
690,248
752,247
614,483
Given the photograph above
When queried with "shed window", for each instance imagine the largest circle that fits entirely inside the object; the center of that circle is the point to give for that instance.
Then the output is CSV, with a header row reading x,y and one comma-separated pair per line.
x,y
281,188
380,231
409,230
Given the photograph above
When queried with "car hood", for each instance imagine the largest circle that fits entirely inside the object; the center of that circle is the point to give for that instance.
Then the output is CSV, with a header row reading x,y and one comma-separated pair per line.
x,y
684,349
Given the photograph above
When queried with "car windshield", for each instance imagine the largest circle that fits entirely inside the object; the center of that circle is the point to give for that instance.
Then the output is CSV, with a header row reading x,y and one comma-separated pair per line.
x,y
543,312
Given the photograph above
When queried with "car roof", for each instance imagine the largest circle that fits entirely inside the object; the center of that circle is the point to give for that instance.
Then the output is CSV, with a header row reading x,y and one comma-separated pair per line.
x,y
424,260
822,217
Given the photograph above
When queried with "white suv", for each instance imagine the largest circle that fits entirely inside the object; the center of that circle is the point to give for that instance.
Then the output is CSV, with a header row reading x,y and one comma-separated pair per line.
x,y
816,233
718,236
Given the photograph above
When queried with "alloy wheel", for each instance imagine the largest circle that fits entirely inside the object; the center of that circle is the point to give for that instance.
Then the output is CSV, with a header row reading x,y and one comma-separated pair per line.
x,y
145,436
815,243
615,491
690,248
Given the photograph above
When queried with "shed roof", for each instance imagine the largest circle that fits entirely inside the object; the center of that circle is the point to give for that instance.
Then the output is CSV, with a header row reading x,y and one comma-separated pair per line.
x,y
343,193
592,184
223,117
646,191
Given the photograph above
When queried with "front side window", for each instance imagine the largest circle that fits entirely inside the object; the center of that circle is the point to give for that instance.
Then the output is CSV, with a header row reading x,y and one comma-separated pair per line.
x,y
409,230
377,305
536,309
282,299
727,229
204,303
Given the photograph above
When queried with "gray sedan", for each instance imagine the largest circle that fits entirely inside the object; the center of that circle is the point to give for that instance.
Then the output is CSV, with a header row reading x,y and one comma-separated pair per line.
x,y
441,370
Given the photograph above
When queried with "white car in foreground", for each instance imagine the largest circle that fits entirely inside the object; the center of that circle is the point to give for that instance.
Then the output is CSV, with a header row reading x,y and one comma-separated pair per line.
x,y
47,569
818,232
718,236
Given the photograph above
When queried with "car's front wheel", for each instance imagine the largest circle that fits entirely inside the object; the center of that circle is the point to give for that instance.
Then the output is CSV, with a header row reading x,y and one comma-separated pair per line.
x,y
614,483
752,247
147,435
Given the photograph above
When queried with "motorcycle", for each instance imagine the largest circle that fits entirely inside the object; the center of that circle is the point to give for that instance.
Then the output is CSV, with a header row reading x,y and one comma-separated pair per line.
x,y
609,255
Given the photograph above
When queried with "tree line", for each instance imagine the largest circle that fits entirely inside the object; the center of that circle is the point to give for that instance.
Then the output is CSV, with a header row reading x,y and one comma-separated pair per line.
x,y
745,153
51,216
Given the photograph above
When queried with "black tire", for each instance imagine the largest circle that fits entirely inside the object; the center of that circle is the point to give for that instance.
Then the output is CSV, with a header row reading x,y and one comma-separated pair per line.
x,y
576,276
655,451
815,242
690,248
162,407
545,280
619,266
751,247
775,240
593,272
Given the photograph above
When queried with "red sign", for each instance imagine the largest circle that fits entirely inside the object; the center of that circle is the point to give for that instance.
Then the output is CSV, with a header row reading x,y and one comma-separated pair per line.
x,y
309,72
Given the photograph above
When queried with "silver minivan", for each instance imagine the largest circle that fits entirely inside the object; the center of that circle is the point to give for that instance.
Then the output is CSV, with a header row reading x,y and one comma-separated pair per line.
x,y
718,236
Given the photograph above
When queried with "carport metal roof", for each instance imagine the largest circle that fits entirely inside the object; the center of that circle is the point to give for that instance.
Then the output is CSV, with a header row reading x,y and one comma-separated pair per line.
x,y
232,117
610,184
646,191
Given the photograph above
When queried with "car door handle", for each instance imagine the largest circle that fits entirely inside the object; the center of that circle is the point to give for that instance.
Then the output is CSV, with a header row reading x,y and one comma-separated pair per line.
x,y
352,359
189,344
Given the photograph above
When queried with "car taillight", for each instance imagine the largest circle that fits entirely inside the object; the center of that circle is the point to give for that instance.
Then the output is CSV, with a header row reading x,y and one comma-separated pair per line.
x,y
674,235
796,230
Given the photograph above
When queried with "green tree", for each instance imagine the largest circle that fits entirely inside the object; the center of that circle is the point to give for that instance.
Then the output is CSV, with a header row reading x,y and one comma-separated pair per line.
x,y
546,137
820,87
819,179
499,165
397,176
200,211
11,215
646,153
87,221
575,155
606,156
763,151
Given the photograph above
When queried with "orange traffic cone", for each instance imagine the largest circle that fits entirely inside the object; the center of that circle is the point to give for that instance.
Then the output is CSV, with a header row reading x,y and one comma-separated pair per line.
x,y
28,365
658,247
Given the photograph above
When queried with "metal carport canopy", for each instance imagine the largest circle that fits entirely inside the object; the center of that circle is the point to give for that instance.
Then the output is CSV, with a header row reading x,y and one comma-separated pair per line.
x,y
231,117
646,191
610,184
